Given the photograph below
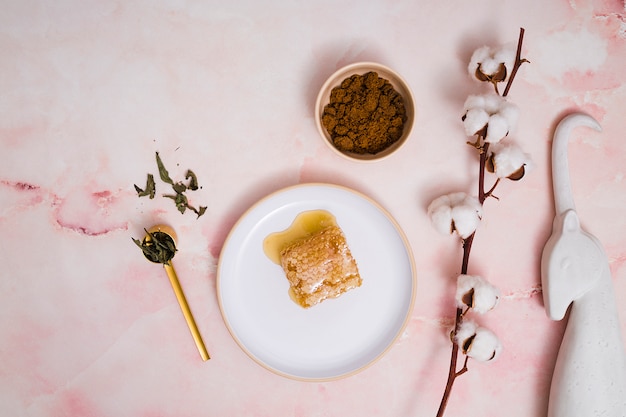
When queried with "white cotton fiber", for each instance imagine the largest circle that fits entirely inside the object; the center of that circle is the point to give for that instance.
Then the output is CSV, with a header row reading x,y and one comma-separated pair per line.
x,y
466,219
485,296
466,331
475,121
489,59
485,347
508,159
492,111
455,212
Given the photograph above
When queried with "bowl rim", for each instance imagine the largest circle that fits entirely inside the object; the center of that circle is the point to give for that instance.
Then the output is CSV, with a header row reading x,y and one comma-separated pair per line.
x,y
361,67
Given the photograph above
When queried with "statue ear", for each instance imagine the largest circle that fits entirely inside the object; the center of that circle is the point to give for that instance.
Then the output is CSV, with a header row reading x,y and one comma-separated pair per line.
x,y
570,221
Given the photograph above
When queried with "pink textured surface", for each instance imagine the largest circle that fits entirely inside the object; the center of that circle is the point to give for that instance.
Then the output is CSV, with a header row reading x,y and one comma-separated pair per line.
x,y
90,90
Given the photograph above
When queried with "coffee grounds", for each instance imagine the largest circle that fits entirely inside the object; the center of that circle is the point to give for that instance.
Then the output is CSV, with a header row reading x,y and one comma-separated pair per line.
x,y
365,114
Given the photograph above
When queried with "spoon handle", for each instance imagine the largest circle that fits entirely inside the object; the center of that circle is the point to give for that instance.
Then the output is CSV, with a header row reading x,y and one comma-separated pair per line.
x,y
182,301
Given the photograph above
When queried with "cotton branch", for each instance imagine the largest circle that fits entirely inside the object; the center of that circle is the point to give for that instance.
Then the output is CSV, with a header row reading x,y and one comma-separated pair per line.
x,y
482,145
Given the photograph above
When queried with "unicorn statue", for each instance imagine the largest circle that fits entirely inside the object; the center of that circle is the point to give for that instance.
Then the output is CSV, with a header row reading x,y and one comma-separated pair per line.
x,y
589,378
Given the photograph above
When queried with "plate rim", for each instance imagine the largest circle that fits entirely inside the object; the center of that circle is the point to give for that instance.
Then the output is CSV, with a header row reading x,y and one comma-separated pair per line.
x,y
399,231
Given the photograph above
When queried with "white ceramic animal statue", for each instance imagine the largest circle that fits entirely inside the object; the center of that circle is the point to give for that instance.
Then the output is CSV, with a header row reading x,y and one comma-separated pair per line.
x,y
589,377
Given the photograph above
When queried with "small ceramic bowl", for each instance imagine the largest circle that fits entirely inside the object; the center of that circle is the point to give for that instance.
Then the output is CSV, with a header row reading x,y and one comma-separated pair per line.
x,y
360,68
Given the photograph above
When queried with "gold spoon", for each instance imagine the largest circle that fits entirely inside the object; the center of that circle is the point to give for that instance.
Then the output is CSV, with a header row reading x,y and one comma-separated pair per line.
x,y
178,291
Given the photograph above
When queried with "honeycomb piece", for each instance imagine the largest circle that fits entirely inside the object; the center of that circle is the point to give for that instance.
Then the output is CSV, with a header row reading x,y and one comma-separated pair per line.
x,y
320,266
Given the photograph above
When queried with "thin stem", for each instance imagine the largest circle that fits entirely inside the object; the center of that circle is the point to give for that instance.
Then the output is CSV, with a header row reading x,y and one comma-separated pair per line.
x,y
490,192
481,173
467,248
452,373
518,62
464,368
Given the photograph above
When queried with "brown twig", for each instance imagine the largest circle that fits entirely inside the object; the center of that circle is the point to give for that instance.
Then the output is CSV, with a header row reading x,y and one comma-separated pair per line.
x,y
482,195
490,192
452,372
518,62
467,243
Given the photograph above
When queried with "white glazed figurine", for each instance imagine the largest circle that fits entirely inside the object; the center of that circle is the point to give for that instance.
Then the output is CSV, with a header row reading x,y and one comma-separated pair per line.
x,y
590,373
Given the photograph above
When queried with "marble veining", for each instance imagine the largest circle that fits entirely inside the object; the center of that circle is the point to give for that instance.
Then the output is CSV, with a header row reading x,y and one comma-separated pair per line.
x,y
91,90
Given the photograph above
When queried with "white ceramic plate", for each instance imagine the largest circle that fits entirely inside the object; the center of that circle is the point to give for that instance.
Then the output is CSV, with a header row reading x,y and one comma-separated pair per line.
x,y
339,336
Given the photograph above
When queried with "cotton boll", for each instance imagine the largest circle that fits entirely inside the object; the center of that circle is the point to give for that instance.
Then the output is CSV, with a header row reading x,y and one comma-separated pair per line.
x,y
474,101
474,121
477,342
486,63
473,203
485,345
508,161
510,112
479,56
492,67
455,212
506,55
440,212
441,218
467,215
492,103
497,128
476,292
486,298
490,111
464,290
466,219
502,120
465,334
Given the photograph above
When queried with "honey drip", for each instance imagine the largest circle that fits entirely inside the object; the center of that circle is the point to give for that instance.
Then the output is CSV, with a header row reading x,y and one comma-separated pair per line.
x,y
315,258
305,224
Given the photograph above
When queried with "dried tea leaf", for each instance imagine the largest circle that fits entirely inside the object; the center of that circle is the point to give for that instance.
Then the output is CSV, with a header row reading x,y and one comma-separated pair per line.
x,y
180,200
199,212
149,190
165,176
179,187
158,247
193,180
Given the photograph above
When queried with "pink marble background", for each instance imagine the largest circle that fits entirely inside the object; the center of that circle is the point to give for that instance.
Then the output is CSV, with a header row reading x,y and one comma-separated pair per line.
x,y
91,89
